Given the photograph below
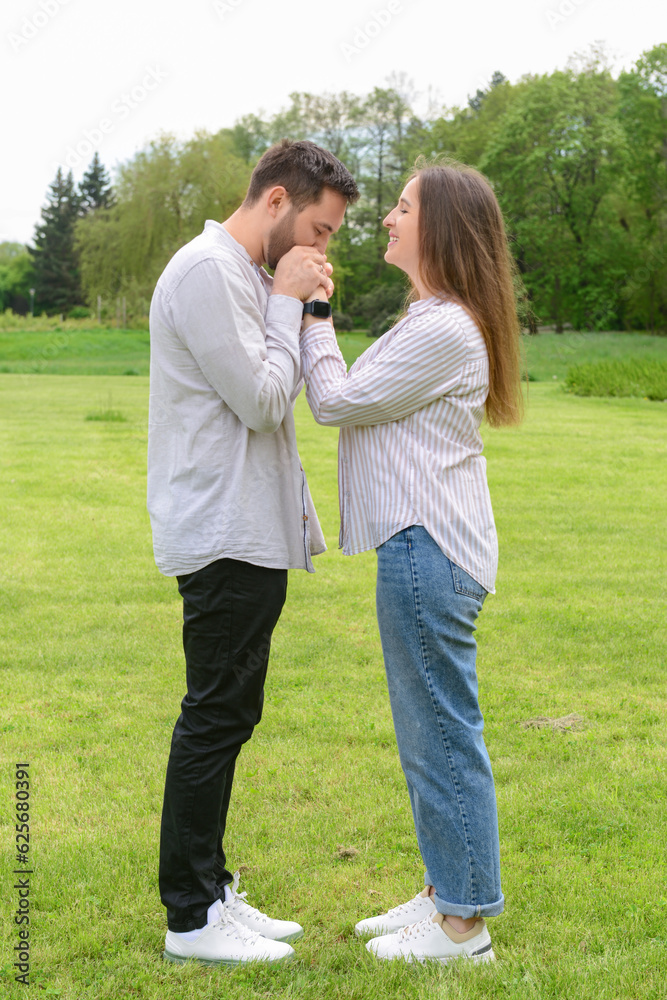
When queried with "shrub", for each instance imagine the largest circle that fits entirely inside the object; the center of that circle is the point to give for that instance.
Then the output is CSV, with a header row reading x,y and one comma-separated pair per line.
x,y
78,312
380,307
342,322
382,323
629,377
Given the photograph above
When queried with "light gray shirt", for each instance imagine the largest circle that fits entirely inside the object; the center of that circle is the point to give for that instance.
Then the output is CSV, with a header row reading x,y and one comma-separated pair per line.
x,y
224,475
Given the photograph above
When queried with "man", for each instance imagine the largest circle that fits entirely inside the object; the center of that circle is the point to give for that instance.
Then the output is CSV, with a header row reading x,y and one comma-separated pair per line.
x,y
231,512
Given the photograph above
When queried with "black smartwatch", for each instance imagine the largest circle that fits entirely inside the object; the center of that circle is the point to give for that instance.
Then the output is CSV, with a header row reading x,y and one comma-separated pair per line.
x,y
317,308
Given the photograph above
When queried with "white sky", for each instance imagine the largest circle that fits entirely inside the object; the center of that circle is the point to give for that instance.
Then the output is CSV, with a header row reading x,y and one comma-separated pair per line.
x,y
204,63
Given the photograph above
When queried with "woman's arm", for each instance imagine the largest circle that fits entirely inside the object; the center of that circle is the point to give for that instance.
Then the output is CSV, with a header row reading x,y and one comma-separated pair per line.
x,y
423,361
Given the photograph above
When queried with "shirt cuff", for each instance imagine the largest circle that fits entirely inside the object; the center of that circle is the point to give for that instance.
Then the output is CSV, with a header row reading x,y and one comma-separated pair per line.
x,y
283,310
317,342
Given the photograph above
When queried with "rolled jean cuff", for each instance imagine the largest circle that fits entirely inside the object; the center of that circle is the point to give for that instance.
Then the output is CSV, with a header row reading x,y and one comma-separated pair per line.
x,y
465,910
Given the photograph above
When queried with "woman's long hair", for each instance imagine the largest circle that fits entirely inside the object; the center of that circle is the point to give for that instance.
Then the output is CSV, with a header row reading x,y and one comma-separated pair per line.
x,y
464,256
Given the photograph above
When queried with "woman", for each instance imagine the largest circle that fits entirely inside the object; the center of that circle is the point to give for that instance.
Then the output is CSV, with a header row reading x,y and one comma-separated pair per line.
x,y
412,483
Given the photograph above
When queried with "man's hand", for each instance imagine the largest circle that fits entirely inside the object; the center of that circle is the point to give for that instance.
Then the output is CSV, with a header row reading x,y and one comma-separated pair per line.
x,y
300,272
322,293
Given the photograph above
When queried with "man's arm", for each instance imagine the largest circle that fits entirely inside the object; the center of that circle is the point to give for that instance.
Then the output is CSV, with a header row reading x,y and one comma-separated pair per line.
x,y
251,360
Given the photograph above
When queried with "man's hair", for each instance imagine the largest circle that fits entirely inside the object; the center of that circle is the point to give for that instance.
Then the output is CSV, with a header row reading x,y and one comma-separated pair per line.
x,y
304,170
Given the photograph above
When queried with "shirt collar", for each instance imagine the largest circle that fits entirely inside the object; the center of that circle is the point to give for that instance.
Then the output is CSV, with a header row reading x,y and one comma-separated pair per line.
x,y
421,305
221,234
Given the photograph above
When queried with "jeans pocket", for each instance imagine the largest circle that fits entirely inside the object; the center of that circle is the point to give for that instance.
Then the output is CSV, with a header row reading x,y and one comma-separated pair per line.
x,y
464,584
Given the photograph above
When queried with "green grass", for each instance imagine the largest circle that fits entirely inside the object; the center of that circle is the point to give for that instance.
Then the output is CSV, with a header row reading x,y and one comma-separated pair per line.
x,y
73,349
629,377
549,355
92,670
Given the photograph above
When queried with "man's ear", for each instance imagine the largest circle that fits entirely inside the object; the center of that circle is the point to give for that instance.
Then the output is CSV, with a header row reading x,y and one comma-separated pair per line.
x,y
276,199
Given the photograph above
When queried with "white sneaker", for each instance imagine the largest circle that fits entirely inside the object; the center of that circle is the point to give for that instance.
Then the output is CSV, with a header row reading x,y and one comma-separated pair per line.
x,y
407,913
255,920
434,939
224,942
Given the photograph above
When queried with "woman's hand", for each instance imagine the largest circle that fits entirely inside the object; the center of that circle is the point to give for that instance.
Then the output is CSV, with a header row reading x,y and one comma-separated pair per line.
x,y
321,293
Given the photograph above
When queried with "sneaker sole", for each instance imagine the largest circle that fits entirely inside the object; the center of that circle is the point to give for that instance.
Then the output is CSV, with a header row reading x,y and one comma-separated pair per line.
x,y
476,959
216,962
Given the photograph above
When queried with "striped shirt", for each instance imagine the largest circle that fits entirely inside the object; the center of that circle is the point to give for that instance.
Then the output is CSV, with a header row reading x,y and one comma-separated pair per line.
x,y
410,450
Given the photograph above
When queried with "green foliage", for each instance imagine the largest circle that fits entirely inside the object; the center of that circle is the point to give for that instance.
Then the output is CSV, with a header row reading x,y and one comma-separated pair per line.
x,y
645,378
643,111
95,189
163,197
381,299
342,322
577,158
16,277
107,416
555,160
57,279
550,355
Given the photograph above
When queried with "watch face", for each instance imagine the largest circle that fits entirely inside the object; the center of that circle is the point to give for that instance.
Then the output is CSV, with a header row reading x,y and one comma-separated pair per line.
x,y
322,309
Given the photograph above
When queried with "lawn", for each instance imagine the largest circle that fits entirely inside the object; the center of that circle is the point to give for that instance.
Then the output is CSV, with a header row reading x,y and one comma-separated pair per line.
x,y
74,349
93,676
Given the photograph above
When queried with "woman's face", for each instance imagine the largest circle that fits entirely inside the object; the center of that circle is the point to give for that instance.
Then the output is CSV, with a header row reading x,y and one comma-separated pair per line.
x,y
403,225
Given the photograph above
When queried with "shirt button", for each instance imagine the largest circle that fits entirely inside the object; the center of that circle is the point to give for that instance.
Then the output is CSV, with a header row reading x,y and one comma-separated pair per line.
x,y
305,517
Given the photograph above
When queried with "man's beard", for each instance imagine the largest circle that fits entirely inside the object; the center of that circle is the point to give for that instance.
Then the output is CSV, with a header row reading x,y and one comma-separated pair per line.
x,y
281,239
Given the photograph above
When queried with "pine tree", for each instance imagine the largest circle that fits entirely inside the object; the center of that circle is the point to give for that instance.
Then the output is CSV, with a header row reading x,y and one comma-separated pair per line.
x,y
95,188
57,286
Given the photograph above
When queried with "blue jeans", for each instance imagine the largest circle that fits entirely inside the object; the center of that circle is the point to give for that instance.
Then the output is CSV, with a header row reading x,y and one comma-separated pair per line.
x,y
427,607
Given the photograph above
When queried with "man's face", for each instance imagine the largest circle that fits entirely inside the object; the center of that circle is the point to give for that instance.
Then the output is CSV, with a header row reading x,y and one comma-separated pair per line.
x,y
312,227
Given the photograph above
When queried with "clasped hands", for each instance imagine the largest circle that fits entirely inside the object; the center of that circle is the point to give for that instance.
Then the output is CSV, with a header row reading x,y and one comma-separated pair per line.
x,y
304,273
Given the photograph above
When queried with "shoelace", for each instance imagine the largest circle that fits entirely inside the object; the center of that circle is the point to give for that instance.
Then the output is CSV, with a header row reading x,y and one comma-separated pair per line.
x,y
419,929
405,907
247,908
228,925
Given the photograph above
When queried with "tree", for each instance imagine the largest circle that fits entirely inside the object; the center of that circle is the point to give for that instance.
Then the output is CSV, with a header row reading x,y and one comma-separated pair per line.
x,y
95,188
643,116
57,284
16,277
557,156
477,101
163,196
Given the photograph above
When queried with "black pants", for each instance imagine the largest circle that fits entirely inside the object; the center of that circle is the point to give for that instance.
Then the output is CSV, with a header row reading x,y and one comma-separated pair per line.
x,y
230,609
